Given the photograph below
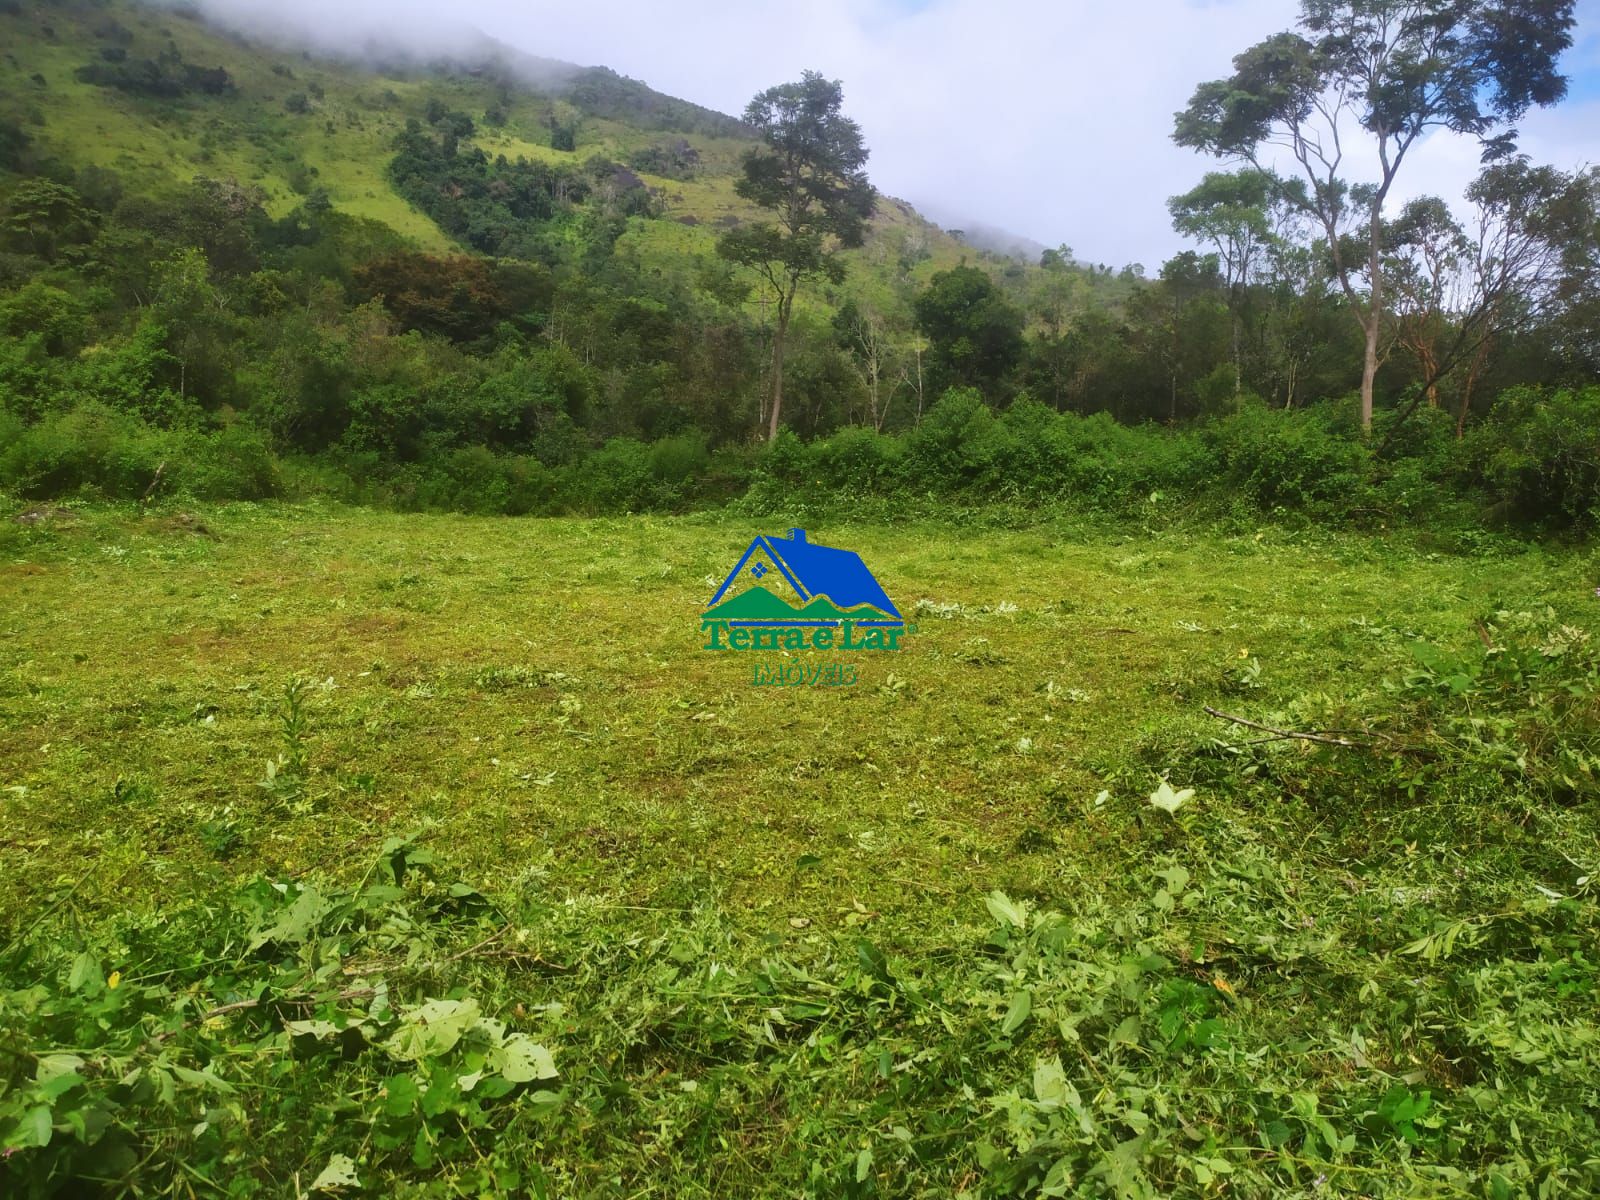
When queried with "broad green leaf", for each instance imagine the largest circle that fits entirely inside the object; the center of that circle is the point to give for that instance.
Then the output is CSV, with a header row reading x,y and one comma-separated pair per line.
x,y
1021,1006
85,971
1127,1032
431,1028
872,959
1006,910
400,1096
52,1065
316,1029
297,922
1050,1082
1169,801
203,1079
339,1173
524,1060
34,1128
1058,1179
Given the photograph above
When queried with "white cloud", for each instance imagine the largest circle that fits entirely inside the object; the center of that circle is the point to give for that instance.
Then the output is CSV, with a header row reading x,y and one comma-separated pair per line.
x,y
1051,118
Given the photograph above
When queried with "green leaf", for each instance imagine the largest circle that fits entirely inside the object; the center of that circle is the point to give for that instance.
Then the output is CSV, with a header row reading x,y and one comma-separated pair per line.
x,y
53,1065
524,1060
1007,911
1127,1032
34,1128
85,973
432,1028
1050,1085
863,1164
203,1079
296,923
316,1029
1021,1006
339,1173
872,959
1169,801
401,1098
1177,879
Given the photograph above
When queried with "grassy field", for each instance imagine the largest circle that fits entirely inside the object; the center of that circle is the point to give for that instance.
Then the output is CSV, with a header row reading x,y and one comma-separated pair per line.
x,y
926,936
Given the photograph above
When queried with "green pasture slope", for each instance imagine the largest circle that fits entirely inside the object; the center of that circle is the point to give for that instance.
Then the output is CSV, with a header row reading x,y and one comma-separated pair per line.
x,y
343,141
432,856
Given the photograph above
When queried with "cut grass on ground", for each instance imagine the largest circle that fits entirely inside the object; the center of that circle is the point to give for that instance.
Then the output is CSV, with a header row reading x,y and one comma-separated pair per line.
x,y
632,754
793,941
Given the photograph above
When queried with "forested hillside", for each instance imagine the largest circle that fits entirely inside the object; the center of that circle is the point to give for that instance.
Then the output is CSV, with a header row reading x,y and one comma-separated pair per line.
x,y
132,136
503,283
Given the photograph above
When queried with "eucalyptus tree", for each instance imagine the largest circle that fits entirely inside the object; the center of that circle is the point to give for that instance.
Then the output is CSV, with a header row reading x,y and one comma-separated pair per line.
x,y
1460,286
1234,212
808,172
1369,79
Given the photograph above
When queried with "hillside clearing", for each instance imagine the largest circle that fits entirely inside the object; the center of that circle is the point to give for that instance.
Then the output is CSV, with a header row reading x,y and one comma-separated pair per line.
x,y
798,924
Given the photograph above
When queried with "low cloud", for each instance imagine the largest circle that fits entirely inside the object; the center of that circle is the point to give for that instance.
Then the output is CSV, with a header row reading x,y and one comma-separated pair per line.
x,y
1047,118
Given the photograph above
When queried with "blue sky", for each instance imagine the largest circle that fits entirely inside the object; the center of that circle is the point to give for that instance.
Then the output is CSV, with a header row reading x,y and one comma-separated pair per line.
x,y
1050,118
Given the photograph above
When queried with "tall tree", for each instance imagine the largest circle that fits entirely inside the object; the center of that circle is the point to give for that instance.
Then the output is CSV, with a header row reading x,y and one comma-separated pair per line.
x,y
1523,253
863,333
974,332
808,172
1387,71
1428,254
1233,212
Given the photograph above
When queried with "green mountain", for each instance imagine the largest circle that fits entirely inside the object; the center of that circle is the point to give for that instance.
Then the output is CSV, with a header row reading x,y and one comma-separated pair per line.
x,y
760,604
821,608
757,604
158,95
486,282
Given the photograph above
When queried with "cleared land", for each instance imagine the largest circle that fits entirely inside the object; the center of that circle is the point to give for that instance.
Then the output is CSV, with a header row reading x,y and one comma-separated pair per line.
x,y
1236,983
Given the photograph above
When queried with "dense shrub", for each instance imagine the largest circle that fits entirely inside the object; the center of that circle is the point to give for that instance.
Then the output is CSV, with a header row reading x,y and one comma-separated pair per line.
x,y
1294,460
89,449
679,460
960,446
1534,463
860,460
619,477
236,463
476,480
1538,456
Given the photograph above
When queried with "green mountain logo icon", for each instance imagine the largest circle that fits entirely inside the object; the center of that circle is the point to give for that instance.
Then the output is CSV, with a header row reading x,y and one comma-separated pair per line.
x,y
759,604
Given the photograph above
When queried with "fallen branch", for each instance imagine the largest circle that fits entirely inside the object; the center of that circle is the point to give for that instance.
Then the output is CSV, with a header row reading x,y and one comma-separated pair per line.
x,y
493,937
308,1001
1323,739
299,1001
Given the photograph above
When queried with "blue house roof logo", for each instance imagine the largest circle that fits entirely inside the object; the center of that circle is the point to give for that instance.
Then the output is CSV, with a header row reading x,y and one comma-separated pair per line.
x,y
791,593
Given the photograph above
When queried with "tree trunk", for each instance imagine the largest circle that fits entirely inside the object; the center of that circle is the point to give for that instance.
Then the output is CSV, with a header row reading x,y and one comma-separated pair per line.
x,y
1374,315
1369,367
872,382
919,385
1479,357
779,333
1466,404
1430,372
1238,367
1234,323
